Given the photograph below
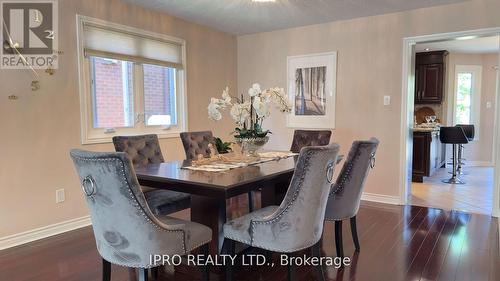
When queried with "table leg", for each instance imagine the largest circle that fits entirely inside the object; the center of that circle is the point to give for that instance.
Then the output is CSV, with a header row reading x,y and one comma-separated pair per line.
x,y
280,190
268,195
212,213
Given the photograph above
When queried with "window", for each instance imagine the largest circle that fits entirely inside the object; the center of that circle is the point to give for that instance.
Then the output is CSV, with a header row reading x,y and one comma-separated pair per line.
x,y
131,82
467,102
464,98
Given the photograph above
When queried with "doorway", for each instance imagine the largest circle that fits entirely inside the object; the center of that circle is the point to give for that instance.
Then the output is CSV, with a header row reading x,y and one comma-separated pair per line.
x,y
470,96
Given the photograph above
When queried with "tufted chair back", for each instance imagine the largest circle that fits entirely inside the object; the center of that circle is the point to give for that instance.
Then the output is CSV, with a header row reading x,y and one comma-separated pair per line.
x,y
197,143
302,138
142,150
125,230
345,194
298,222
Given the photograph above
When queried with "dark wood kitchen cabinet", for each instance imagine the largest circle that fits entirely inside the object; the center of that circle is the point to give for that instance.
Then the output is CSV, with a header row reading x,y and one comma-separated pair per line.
x,y
428,154
430,69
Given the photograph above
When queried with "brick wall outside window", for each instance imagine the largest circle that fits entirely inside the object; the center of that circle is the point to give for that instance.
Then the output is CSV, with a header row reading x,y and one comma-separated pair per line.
x,y
109,96
108,90
156,90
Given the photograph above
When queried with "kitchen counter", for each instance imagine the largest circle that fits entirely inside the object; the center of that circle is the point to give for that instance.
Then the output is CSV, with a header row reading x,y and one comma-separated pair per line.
x,y
429,153
424,129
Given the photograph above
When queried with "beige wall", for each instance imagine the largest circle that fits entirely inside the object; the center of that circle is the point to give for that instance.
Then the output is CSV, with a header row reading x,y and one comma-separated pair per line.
x,y
369,67
482,148
39,129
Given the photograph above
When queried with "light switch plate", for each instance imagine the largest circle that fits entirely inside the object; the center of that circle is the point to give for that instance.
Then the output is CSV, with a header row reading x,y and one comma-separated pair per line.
x,y
60,196
387,100
488,104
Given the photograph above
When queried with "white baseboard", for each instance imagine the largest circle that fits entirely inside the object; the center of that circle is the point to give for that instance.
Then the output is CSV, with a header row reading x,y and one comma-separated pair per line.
x,y
380,198
43,232
478,164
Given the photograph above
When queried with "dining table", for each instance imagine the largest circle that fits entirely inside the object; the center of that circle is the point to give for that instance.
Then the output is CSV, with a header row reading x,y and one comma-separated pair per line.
x,y
209,190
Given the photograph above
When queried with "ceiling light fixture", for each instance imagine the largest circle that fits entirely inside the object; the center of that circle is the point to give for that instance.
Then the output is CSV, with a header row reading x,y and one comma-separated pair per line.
x,y
427,49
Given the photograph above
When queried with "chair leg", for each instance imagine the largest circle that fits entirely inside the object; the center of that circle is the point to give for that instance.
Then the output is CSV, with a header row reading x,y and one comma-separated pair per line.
x,y
338,239
205,275
154,273
454,178
292,271
143,274
229,244
354,232
316,252
106,270
133,274
250,202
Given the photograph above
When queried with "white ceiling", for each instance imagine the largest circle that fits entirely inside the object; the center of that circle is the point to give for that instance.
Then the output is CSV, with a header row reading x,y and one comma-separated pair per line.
x,y
245,17
473,46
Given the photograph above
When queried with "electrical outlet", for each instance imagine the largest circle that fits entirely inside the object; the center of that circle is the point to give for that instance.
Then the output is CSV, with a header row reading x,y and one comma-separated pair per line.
x,y
60,196
387,100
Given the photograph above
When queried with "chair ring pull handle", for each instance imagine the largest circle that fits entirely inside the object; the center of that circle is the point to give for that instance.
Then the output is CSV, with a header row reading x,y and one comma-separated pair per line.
x,y
372,160
86,181
329,172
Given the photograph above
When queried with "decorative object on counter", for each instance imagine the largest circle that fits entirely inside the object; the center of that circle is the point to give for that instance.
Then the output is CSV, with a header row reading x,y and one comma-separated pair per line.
x,y
312,89
421,113
13,97
250,114
222,146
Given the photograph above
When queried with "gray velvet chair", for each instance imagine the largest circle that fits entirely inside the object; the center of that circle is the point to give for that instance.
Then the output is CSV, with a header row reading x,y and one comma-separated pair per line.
x,y
297,223
196,143
144,150
345,196
125,229
303,138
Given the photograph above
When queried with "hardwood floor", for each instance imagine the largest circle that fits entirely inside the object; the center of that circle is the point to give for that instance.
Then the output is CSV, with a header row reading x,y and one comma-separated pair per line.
x,y
397,243
476,196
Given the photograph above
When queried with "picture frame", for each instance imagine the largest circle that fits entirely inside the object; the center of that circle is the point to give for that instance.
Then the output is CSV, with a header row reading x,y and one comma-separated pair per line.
x,y
311,85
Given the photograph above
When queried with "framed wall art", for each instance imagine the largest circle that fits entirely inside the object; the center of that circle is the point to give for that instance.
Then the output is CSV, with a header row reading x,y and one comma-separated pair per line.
x,y
312,89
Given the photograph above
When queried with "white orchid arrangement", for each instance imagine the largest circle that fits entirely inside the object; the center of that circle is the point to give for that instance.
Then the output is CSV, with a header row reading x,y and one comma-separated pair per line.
x,y
249,114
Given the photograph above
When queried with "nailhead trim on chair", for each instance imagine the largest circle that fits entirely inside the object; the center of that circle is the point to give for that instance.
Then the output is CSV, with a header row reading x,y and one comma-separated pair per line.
x,y
136,204
345,176
285,210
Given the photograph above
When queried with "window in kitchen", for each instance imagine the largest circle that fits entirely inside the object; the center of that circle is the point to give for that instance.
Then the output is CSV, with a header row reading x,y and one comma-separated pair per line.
x,y
131,82
467,103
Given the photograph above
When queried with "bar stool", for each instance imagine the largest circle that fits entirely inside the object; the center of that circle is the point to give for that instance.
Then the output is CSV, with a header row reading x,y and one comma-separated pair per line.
x,y
456,137
469,133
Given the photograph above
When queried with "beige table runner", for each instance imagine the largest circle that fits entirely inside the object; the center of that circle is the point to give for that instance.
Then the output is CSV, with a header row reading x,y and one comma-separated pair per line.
x,y
219,166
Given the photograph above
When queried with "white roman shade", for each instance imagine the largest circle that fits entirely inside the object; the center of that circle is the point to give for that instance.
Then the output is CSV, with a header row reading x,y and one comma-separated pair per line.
x,y
108,42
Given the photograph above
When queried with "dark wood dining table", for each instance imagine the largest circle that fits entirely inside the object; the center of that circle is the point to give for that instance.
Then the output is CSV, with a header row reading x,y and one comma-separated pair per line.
x,y
209,190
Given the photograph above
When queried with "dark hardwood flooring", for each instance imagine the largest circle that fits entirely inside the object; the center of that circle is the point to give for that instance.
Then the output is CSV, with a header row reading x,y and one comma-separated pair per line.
x,y
397,243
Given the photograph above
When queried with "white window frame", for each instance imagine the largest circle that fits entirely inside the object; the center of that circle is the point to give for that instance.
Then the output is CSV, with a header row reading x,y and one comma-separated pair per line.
x,y
90,135
476,71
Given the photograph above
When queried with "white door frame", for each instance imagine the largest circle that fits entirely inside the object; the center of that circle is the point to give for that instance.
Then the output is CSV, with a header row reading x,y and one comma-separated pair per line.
x,y
407,109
